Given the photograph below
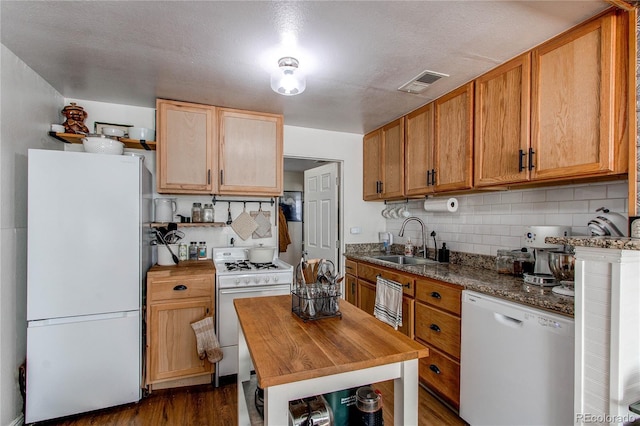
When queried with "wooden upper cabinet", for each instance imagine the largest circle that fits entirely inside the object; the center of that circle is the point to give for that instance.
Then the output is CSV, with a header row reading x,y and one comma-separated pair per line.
x,y
502,111
454,140
419,157
372,166
383,162
186,147
251,153
573,101
393,159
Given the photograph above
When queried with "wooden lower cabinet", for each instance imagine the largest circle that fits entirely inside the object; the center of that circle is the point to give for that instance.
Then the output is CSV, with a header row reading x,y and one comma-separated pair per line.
x,y
442,375
351,289
438,329
173,353
175,299
430,314
366,296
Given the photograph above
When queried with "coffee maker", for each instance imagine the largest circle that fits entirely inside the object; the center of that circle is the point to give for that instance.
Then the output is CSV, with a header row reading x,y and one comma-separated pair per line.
x,y
534,237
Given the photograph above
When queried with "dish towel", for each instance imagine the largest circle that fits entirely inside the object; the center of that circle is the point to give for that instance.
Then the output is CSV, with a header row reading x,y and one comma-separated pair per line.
x,y
262,218
206,340
244,225
388,307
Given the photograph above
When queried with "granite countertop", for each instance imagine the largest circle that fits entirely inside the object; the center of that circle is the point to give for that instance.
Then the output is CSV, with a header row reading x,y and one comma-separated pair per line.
x,y
619,243
481,280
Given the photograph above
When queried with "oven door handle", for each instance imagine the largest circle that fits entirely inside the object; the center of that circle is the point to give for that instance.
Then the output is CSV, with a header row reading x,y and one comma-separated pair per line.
x,y
253,289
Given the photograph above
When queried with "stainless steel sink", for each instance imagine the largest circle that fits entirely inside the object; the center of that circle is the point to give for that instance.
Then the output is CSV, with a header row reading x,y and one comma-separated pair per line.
x,y
405,260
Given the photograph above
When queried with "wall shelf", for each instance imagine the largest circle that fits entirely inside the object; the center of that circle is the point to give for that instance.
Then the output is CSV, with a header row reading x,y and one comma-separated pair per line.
x,y
128,143
190,224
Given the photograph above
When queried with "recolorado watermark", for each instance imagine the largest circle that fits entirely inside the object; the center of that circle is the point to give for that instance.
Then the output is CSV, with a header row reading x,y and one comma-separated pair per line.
x,y
605,418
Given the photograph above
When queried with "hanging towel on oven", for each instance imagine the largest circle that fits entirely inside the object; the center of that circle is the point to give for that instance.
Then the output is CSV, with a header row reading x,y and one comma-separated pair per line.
x,y
388,307
206,340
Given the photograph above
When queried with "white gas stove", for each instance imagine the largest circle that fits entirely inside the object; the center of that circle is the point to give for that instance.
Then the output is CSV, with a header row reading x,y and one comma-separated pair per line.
x,y
234,270
236,278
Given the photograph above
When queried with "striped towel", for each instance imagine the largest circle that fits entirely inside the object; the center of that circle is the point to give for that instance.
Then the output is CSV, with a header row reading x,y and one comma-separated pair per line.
x,y
388,307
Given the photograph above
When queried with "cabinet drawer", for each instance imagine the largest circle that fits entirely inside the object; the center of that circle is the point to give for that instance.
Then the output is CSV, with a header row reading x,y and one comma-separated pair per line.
x,y
442,375
351,267
438,329
180,288
439,295
370,273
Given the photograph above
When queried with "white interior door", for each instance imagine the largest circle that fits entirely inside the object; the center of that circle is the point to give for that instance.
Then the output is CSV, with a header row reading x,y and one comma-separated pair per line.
x,y
321,213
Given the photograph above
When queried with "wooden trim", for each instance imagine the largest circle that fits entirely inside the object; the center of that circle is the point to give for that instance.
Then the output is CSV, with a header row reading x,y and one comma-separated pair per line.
x,y
633,118
621,4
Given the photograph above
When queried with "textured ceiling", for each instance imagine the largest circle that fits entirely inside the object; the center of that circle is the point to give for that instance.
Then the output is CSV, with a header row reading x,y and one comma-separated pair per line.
x,y
355,54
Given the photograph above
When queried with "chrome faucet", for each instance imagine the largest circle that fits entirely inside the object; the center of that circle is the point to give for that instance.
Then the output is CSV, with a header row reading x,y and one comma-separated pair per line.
x,y
424,232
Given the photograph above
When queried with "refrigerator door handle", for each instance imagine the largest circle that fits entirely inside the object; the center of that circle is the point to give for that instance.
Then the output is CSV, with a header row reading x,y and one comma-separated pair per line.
x,y
82,318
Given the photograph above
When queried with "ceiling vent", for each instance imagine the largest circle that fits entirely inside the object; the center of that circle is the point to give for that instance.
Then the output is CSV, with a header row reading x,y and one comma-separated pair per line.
x,y
420,83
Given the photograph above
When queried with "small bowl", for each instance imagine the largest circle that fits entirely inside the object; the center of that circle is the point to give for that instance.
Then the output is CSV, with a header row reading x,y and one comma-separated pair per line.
x,y
112,131
102,145
142,133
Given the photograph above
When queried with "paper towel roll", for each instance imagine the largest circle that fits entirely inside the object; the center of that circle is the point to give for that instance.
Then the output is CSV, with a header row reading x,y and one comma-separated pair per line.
x,y
441,205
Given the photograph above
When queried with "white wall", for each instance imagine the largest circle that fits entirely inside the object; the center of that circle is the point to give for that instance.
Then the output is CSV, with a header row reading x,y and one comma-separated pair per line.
x,y
487,222
346,147
29,105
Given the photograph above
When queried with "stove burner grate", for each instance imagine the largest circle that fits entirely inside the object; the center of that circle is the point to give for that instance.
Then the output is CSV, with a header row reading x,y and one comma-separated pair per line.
x,y
266,265
237,266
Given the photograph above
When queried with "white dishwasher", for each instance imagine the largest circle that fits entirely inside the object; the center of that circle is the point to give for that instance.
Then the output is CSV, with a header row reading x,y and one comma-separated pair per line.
x,y
516,364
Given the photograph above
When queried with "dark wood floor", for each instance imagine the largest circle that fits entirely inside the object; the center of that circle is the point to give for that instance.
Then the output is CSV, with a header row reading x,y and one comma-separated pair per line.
x,y
206,405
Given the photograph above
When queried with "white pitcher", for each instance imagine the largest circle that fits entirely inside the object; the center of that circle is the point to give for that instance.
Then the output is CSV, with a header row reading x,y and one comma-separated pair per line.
x,y
165,208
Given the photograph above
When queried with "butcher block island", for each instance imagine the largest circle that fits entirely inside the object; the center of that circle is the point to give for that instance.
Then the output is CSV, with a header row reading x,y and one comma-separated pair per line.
x,y
295,359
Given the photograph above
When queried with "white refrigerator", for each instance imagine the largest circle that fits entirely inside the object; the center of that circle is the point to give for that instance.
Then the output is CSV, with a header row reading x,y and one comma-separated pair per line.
x,y
88,254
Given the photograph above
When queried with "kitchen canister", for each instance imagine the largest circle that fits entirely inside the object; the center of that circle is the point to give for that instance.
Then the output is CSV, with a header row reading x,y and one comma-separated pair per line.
x,y
165,208
369,407
164,255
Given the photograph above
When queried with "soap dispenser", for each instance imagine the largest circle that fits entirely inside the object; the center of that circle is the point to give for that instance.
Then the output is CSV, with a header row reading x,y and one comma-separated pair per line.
x,y
443,254
408,248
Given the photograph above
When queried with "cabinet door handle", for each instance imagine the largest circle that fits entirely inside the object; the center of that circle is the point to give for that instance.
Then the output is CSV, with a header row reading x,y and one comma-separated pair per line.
x,y
521,156
221,177
381,187
353,288
433,176
436,295
435,328
531,153
377,187
428,177
180,287
434,368
209,177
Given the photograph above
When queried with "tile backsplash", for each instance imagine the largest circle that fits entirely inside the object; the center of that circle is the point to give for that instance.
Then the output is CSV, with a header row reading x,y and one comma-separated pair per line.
x,y
490,221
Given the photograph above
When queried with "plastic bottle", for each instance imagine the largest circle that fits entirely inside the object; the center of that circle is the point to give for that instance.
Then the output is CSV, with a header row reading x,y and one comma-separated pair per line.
x,y
202,250
408,248
443,254
193,251
183,251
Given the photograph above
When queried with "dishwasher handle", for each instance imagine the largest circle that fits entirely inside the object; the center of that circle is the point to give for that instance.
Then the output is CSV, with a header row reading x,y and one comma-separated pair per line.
x,y
507,320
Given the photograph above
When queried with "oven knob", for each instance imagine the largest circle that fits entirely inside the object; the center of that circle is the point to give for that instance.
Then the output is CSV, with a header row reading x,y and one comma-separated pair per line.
x,y
267,279
275,279
237,281
246,280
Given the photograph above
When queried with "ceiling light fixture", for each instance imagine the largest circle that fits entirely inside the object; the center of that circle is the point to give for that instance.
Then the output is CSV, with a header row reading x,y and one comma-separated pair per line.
x,y
287,79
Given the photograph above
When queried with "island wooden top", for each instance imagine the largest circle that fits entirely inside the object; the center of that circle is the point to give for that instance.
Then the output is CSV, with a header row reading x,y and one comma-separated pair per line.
x,y
285,349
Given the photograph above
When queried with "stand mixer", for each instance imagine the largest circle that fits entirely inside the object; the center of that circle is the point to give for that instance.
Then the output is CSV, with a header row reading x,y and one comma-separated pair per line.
x,y
534,239
562,265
